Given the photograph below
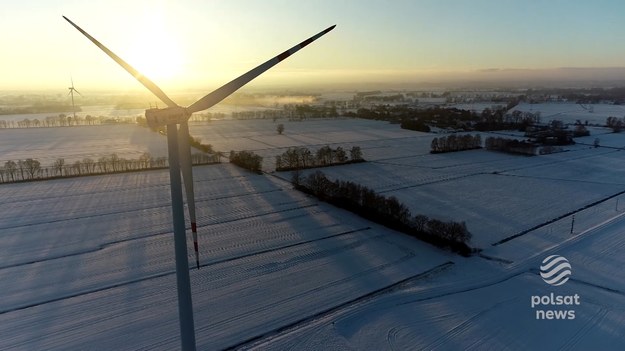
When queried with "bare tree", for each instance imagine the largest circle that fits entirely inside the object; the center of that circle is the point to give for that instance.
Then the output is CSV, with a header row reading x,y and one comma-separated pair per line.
x,y
145,160
20,166
77,166
10,168
341,155
32,167
103,164
356,153
89,165
58,165
114,159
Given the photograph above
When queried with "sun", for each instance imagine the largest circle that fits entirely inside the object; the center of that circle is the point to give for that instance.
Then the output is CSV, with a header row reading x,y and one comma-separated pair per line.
x,y
156,52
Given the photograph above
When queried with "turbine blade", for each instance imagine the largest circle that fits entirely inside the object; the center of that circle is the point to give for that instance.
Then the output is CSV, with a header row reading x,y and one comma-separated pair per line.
x,y
229,88
140,77
77,92
184,149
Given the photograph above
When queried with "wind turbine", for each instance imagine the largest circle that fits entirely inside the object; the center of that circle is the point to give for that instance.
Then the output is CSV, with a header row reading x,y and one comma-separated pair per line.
x,y
71,92
180,158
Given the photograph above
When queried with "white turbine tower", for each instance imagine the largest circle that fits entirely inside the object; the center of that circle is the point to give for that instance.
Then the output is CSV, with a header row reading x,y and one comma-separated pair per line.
x,y
180,159
73,90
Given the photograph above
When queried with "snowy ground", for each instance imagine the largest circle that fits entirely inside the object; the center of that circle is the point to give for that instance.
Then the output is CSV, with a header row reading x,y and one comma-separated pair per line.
x,y
569,112
76,143
98,272
477,305
89,261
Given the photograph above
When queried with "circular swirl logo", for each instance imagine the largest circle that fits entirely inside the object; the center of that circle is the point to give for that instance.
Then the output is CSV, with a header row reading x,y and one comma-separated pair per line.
x,y
555,270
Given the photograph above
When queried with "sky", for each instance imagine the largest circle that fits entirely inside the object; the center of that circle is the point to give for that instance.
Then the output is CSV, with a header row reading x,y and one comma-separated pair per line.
x,y
202,44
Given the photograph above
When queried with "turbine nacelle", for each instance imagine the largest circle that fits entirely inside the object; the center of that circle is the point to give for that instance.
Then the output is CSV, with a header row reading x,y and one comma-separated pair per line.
x,y
159,117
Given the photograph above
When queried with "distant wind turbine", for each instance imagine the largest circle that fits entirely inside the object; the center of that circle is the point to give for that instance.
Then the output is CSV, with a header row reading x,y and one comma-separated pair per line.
x,y
71,92
180,158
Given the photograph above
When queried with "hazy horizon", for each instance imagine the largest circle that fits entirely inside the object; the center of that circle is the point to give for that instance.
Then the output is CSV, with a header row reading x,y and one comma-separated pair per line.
x,y
198,45
507,78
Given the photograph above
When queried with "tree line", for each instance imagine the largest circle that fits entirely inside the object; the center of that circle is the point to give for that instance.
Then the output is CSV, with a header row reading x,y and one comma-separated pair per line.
x,y
31,169
62,120
454,143
248,160
513,146
387,211
301,157
420,119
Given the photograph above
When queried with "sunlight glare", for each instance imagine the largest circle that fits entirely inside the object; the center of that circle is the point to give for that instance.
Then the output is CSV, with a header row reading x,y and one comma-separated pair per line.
x,y
156,51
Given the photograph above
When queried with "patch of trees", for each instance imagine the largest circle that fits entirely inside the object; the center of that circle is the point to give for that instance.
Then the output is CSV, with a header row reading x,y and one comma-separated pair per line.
x,y
291,112
580,130
553,133
197,143
296,158
247,160
455,142
495,118
513,146
615,123
311,111
585,95
381,113
415,124
31,169
498,119
387,211
410,117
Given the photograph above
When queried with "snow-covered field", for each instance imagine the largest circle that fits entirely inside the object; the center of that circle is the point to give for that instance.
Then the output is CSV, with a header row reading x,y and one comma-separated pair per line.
x,y
76,143
87,263
569,112
98,272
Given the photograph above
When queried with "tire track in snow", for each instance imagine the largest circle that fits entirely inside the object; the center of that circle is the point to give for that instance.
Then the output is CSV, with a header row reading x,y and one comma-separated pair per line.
x,y
596,319
538,226
170,272
168,232
138,209
266,337
440,342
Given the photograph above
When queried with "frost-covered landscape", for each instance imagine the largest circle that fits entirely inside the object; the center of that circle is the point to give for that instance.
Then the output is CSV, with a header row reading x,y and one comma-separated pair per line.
x,y
88,262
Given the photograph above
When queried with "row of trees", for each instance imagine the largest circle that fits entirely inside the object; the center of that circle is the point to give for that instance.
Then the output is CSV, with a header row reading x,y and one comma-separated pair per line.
x,y
301,157
62,120
510,145
247,160
289,111
387,211
420,119
31,169
455,142
499,119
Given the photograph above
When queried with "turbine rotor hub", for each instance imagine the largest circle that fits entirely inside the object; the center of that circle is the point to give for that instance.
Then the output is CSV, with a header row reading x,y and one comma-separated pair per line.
x,y
158,117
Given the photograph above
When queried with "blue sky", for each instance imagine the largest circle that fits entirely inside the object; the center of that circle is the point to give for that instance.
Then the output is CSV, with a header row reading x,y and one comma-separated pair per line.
x,y
192,43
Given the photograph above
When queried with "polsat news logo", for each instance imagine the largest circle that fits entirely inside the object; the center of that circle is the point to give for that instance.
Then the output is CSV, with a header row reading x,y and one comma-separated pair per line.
x,y
555,271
